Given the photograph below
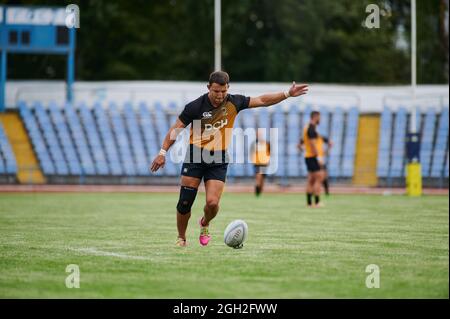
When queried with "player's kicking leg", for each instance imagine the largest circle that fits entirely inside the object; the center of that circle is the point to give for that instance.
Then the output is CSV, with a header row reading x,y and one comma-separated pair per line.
x,y
188,192
214,189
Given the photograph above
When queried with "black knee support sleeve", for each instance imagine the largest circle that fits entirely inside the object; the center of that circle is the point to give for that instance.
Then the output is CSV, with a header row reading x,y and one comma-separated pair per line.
x,y
187,197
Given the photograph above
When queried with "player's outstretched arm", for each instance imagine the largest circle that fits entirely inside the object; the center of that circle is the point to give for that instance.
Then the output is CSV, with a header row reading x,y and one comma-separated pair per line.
x,y
274,98
171,136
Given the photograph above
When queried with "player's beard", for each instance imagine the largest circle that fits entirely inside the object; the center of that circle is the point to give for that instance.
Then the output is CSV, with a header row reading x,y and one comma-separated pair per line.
x,y
216,102
219,102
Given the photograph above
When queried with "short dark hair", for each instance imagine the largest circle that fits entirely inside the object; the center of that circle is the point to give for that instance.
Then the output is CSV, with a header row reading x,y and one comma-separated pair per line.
x,y
219,77
314,114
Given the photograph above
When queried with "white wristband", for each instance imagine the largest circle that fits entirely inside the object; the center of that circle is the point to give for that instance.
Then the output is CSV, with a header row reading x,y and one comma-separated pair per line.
x,y
286,94
162,152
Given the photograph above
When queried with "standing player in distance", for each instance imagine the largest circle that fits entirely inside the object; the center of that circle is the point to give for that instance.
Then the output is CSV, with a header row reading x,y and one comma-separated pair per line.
x,y
321,140
315,176
260,160
212,117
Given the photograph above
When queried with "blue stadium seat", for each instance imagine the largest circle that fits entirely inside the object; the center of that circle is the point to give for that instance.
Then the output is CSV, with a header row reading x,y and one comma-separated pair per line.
x,y
179,148
36,139
337,129
398,144
446,167
263,120
7,159
2,166
94,141
384,146
324,127
351,134
279,122
108,140
10,167
249,126
440,152
80,141
151,141
426,145
51,140
263,117
65,140
237,153
122,140
293,138
162,126
306,115
173,168
136,140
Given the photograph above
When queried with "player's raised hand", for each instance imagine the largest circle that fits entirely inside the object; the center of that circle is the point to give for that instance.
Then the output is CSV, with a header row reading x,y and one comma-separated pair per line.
x,y
298,89
157,163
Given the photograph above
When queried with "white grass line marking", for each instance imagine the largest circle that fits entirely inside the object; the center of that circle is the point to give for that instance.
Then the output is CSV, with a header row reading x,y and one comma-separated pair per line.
x,y
96,252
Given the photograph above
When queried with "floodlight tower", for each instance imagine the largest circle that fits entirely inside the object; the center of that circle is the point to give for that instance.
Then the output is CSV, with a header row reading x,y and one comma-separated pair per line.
x,y
217,36
413,168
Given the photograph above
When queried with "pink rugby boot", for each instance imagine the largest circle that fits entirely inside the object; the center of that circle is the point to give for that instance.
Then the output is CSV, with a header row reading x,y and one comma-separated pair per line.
x,y
204,233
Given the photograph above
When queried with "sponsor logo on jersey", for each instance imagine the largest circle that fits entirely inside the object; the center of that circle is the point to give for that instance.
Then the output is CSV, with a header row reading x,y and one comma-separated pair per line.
x,y
217,125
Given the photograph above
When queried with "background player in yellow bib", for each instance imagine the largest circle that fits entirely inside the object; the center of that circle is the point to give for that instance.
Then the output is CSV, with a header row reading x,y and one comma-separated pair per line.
x,y
312,151
260,160
212,117
322,158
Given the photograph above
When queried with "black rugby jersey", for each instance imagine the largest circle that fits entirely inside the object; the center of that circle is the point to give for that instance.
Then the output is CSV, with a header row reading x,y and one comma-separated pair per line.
x,y
212,126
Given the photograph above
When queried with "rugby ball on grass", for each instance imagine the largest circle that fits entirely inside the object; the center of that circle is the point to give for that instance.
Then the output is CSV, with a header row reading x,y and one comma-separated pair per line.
x,y
235,234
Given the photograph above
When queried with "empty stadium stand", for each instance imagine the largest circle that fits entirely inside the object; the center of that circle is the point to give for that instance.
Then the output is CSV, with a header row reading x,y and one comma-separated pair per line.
x,y
7,159
119,141
19,154
385,139
433,127
441,149
337,135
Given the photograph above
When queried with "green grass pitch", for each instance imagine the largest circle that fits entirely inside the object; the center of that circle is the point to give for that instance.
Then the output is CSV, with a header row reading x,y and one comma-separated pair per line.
x,y
124,247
